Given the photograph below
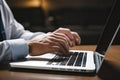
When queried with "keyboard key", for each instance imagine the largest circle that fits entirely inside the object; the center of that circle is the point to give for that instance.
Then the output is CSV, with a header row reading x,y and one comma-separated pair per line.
x,y
65,61
72,59
79,59
84,60
62,60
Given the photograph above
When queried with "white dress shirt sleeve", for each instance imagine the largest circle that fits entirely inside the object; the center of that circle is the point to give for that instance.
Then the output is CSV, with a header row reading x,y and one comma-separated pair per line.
x,y
12,50
15,47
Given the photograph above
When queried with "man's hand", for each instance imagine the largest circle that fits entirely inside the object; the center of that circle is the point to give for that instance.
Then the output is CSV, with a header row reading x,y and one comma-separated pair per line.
x,y
58,41
50,42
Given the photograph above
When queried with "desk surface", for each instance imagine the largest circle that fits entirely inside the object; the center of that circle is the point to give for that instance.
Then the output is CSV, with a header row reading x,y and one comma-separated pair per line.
x,y
110,69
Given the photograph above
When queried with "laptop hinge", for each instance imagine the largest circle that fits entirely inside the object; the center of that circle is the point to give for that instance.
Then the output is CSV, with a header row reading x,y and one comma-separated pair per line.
x,y
98,60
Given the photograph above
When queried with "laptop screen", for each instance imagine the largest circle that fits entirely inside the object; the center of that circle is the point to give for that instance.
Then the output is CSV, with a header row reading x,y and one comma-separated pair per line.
x,y
111,28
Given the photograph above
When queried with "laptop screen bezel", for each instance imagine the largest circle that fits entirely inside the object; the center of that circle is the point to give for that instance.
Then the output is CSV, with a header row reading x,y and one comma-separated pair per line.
x,y
110,29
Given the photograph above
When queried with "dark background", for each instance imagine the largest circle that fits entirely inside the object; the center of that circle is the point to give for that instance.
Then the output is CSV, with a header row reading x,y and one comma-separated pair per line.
x,y
87,17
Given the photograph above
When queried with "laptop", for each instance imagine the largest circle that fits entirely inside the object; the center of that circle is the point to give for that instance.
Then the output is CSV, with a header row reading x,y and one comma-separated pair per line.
x,y
79,60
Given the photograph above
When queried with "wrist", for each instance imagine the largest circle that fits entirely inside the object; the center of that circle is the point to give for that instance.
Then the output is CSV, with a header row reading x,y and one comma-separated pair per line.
x,y
29,42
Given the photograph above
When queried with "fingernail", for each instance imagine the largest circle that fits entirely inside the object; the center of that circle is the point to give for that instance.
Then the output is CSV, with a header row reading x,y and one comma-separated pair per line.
x,y
78,41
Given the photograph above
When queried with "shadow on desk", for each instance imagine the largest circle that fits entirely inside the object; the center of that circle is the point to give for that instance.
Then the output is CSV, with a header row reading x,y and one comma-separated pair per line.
x,y
4,66
109,72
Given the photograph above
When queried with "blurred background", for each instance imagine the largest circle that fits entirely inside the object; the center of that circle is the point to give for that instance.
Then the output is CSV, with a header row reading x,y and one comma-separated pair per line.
x,y
87,17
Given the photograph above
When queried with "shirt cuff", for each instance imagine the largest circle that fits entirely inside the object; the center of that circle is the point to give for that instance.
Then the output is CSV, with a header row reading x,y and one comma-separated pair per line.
x,y
19,49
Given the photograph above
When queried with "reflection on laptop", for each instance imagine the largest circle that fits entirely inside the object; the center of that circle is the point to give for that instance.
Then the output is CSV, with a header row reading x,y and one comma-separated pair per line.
x,y
79,60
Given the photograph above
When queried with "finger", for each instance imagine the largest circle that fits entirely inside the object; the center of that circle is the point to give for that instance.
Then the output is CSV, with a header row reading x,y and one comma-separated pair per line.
x,y
61,38
71,42
58,50
65,31
76,38
61,43
68,41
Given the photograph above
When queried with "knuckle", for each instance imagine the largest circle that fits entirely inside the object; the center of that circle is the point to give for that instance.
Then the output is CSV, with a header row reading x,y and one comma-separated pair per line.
x,y
65,29
74,33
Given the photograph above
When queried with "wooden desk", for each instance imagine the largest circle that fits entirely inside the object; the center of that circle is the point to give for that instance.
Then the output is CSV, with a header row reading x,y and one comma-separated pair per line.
x,y
110,70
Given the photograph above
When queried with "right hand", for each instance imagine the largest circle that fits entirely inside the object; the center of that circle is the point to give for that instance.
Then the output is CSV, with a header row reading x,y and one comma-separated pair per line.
x,y
50,42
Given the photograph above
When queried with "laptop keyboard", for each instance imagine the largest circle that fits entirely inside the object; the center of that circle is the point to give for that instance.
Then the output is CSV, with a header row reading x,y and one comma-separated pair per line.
x,y
75,59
